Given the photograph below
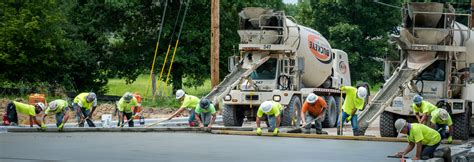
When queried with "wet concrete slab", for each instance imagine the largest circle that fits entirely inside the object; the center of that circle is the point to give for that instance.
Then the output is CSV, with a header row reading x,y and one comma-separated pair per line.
x,y
164,146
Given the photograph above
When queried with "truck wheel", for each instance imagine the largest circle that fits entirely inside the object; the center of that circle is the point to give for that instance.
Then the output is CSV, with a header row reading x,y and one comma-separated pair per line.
x,y
232,116
461,125
291,115
387,125
331,114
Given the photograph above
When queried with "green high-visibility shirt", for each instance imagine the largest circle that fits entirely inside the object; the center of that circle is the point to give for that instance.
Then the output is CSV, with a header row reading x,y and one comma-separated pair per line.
x,y
424,134
351,101
425,107
62,104
275,111
123,106
82,102
211,109
23,108
436,120
190,102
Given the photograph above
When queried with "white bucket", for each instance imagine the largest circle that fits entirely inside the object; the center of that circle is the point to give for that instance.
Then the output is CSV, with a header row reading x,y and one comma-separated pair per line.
x,y
107,120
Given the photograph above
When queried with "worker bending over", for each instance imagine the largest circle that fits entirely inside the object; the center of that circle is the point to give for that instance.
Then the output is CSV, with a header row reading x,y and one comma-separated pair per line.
x,y
187,102
82,104
440,119
13,108
314,108
354,101
423,107
124,106
421,137
205,113
59,108
272,110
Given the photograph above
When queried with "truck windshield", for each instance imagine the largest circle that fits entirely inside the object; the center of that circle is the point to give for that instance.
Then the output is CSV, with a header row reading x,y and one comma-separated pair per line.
x,y
266,71
434,72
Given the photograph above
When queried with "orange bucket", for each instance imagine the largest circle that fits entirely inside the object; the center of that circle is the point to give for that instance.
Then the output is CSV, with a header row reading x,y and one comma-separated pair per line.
x,y
35,97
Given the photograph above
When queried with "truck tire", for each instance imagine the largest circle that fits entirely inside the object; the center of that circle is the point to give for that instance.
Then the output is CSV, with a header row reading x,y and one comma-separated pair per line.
x,y
387,124
461,125
232,117
291,115
332,113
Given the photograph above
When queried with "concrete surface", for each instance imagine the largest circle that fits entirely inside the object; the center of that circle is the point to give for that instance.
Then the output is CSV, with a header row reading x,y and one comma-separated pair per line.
x,y
186,147
134,129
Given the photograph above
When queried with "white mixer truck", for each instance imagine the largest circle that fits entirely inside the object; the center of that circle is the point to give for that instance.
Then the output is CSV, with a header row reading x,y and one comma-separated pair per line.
x,y
282,61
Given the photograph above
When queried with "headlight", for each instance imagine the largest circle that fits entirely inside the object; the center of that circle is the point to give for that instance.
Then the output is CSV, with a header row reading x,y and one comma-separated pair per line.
x,y
227,98
276,98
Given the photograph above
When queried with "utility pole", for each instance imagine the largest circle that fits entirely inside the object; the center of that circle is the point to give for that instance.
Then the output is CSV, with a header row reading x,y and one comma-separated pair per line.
x,y
214,43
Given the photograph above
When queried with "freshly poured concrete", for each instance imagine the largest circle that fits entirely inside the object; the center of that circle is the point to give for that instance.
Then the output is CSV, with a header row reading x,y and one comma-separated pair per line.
x,y
163,146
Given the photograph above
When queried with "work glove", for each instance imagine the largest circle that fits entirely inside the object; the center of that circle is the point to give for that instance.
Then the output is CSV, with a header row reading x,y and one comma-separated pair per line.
x,y
450,139
275,132
60,127
259,131
348,119
43,127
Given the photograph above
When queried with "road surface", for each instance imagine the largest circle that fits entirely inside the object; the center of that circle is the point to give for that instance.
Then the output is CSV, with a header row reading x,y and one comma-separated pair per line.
x,y
185,147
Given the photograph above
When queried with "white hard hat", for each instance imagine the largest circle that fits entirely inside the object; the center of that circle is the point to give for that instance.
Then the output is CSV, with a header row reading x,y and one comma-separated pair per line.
x,y
266,106
127,96
361,92
400,124
91,97
41,105
53,105
443,114
179,94
312,98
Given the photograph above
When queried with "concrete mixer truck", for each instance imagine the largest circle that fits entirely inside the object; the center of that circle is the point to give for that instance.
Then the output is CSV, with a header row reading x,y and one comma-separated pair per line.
x,y
281,61
436,62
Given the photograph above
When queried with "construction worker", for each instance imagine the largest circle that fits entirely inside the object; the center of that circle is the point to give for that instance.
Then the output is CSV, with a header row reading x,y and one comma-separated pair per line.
x,y
205,113
314,108
13,108
273,111
424,107
59,108
82,104
425,139
124,107
354,101
187,102
440,119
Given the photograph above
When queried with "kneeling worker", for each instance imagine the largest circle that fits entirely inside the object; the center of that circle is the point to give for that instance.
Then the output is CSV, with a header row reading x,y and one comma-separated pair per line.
x,y
205,113
425,139
272,110
59,108
13,108
314,108
440,119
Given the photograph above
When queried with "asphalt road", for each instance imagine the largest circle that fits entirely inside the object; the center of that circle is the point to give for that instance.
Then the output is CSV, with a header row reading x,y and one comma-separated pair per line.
x,y
185,147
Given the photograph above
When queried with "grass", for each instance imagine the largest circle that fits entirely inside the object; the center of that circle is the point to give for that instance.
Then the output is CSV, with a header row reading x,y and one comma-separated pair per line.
x,y
118,87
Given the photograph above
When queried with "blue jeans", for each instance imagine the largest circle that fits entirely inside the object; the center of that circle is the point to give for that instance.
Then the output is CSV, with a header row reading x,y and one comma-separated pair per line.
x,y
317,123
441,128
192,118
205,118
354,123
271,122
428,151
59,117
85,113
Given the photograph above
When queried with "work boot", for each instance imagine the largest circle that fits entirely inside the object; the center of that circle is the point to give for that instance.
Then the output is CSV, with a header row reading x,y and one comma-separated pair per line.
x,y
321,132
444,153
356,132
307,131
13,124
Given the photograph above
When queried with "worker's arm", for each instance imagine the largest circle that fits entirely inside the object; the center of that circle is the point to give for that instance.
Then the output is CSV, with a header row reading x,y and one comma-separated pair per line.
x,y
176,113
424,118
31,121
258,122
214,116
418,117
322,115
303,119
451,130
199,120
419,147
353,112
405,151
44,118
92,111
38,122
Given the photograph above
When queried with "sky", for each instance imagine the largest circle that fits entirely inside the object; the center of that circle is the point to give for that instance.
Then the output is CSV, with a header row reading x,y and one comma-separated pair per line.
x,y
290,1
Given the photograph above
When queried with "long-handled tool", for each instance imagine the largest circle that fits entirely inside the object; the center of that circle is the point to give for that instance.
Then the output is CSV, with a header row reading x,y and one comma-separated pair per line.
x,y
339,132
158,122
83,120
300,129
